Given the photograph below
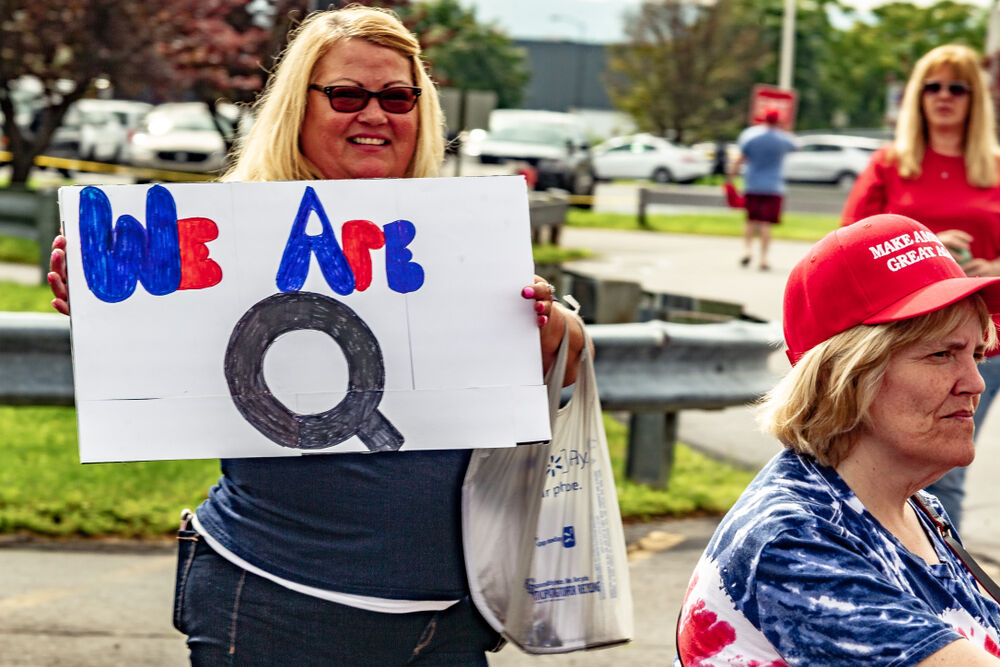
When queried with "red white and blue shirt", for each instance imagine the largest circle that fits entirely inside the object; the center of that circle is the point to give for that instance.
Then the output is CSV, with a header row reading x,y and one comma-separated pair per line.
x,y
800,573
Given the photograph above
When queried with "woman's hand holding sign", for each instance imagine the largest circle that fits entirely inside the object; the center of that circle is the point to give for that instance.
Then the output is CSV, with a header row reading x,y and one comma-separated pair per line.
x,y
57,275
553,318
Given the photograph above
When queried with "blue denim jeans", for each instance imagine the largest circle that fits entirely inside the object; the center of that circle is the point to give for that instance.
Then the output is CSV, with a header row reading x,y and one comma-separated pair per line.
x,y
950,489
234,617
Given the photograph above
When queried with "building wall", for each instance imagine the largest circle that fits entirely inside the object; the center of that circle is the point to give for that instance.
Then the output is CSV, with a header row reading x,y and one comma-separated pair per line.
x,y
565,76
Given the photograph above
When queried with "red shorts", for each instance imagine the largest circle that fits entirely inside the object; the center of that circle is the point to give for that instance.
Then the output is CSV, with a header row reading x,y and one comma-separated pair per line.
x,y
764,208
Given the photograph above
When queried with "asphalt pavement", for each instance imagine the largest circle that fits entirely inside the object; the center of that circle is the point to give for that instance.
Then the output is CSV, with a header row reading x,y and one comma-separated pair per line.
x,y
84,603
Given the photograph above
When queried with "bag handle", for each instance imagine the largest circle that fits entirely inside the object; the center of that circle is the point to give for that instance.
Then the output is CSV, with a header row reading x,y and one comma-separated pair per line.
x,y
944,529
557,371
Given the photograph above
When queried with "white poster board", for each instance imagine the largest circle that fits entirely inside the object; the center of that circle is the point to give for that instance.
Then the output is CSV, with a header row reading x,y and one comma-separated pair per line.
x,y
278,319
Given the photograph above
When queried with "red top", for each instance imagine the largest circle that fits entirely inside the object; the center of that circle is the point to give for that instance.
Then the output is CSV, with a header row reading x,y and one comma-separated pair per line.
x,y
940,198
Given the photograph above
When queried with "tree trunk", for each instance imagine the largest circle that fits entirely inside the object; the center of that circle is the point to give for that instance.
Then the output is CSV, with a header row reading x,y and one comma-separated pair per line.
x,y
21,163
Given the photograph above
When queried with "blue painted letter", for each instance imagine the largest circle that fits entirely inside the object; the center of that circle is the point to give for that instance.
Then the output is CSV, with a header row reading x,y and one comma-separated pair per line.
x,y
114,258
403,275
295,262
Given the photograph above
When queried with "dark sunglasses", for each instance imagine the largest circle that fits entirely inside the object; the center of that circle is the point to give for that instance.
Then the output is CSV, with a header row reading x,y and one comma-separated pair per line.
x,y
348,99
956,88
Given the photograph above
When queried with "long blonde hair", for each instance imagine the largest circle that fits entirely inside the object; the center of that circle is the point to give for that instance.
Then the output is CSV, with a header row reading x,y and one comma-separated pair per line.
x,y
981,149
270,151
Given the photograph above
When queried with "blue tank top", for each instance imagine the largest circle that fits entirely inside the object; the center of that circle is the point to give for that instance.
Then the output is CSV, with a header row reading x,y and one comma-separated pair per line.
x,y
384,525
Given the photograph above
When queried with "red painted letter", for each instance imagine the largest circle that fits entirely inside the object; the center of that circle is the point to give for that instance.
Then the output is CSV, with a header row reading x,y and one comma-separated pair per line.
x,y
359,237
197,269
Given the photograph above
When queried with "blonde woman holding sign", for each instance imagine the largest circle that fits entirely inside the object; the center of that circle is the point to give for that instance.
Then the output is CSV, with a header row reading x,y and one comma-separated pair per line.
x,y
344,558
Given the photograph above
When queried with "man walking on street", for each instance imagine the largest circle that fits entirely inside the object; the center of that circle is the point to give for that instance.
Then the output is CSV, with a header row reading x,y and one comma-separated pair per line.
x,y
762,148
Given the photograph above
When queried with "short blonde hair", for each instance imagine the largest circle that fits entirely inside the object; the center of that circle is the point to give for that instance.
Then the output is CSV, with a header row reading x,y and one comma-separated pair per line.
x,y
821,405
980,149
270,151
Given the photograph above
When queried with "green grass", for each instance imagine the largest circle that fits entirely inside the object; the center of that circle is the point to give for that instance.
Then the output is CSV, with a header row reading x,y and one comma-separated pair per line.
x,y
794,226
45,490
547,253
698,484
15,297
21,251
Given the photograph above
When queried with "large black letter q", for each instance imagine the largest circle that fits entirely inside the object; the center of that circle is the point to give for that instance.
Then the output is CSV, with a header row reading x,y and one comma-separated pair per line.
x,y
355,415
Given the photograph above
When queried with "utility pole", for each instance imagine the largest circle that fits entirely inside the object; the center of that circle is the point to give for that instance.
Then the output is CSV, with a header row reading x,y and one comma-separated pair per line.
x,y
787,46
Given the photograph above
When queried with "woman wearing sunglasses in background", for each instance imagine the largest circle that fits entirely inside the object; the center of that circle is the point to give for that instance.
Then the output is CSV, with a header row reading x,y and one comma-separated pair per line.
x,y
942,169
342,559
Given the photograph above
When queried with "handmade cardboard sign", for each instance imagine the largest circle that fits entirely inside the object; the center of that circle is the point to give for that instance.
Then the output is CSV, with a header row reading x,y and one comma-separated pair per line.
x,y
280,319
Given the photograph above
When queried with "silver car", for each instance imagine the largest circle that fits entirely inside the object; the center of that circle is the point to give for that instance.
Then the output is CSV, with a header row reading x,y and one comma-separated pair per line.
x,y
830,158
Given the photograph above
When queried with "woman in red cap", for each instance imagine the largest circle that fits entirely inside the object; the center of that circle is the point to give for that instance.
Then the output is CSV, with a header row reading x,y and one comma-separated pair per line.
x,y
943,170
833,555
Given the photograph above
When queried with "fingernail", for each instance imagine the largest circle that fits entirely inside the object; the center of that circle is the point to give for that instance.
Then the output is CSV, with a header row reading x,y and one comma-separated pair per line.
x,y
542,320
528,292
539,307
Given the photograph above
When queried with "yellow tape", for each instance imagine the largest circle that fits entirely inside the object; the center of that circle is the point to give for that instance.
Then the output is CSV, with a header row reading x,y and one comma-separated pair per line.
x,y
104,168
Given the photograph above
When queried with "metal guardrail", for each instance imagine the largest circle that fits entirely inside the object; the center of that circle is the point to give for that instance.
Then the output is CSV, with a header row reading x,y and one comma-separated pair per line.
x,y
32,215
827,200
650,369
655,369
547,211
35,362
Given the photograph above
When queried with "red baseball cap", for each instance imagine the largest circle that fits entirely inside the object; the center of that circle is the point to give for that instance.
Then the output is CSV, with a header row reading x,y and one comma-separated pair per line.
x,y
771,116
881,269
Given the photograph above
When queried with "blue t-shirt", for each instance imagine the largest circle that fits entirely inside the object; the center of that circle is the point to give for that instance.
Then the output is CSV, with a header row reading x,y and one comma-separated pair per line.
x,y
800,573
384,525
765,149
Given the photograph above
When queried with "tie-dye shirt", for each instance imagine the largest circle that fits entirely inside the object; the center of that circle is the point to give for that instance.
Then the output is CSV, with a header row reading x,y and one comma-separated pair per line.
x,y
799,573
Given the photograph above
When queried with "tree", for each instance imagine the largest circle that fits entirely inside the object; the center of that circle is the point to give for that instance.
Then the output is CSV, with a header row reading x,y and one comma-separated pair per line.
x,y
466,54
66,46
884,48
683,65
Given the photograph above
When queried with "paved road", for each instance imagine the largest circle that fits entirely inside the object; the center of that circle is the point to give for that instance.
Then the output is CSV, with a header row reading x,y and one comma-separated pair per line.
x,y
95,605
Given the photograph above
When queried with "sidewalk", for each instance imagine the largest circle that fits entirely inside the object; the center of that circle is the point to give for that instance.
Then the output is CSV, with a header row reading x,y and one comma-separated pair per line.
x,y
110,604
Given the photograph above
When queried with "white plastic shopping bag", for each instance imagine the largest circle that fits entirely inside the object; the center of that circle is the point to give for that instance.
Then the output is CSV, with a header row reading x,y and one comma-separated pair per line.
x,y
543,539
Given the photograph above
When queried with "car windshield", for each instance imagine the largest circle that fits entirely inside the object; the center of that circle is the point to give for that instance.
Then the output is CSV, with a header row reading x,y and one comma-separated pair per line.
x,y
533,134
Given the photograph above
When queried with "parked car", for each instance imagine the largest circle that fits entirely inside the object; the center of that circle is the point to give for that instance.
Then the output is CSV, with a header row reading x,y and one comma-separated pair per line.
x,y
830,158
97,130
553,143
649,156
180,136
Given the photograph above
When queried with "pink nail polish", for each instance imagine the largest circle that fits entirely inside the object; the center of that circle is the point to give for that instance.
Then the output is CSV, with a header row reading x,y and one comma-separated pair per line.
x,y
528,292
542,320
539,307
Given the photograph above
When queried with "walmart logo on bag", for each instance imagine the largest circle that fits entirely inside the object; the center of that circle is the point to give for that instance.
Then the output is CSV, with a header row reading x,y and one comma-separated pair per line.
x,y
555,465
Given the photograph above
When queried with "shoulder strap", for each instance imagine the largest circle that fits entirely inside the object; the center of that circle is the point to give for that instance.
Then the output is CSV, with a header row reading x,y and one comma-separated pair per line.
x,y
944,529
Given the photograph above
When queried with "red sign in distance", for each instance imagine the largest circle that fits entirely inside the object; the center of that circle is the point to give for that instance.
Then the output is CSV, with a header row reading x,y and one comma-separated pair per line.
x,y
767,98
